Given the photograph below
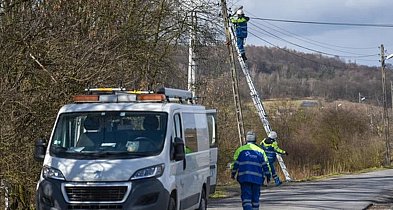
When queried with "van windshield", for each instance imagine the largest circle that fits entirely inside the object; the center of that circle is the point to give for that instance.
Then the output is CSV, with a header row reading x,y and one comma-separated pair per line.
x,y
114,134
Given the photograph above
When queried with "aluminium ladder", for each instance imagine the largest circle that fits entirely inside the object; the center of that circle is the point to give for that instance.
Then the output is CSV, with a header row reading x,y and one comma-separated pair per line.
x,y
257,100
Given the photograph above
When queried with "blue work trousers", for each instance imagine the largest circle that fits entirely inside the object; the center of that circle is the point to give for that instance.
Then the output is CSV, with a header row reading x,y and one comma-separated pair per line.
x,y
250,195
240,45
272,168
275,177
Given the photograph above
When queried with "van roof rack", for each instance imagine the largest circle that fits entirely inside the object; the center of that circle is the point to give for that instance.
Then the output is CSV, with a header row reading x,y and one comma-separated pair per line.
x,y
176,93
117,95
115,91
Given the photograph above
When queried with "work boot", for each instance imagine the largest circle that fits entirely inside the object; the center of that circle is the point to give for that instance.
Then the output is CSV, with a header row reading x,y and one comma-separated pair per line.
x,y
244,56
277,181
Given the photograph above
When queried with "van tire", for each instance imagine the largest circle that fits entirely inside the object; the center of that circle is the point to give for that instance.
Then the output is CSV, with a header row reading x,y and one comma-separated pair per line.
x,y
203,203
172,203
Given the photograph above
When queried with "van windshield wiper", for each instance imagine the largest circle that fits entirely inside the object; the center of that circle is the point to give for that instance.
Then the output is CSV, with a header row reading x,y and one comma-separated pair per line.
x,y
119,153
106,153
59,149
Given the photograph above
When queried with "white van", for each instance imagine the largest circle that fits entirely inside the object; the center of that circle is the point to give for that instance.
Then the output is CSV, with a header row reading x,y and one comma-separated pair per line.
x,y
118,149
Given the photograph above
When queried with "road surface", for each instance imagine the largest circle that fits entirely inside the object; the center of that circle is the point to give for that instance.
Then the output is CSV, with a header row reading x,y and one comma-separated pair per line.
x,y
360,191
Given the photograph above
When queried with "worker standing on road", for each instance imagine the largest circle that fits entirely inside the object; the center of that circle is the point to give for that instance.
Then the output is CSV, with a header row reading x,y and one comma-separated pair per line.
x,y
240,22
270,146
249,168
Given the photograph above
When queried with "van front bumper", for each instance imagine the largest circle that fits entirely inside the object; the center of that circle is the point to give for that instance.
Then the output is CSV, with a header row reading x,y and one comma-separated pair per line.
x,y
141,194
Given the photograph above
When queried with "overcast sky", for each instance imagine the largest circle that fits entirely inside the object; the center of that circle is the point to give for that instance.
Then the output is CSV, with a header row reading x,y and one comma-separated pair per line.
x,y
358,44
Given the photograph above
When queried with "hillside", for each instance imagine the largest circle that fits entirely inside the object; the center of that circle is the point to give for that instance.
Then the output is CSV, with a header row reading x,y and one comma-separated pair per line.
x,y
278,73
283,73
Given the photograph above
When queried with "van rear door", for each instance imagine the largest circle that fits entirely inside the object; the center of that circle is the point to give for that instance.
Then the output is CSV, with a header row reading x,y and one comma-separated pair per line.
x,y
212,126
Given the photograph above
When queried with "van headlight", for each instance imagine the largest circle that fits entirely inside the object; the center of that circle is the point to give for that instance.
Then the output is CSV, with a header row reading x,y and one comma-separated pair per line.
x,y
152,171
53,173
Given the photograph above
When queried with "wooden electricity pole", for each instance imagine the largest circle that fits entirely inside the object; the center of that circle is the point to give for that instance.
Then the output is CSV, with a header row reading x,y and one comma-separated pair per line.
x,y
385,115
235,81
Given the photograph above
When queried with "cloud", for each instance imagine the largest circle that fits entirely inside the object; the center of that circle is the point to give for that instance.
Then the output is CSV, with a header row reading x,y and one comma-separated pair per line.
x,y
371,11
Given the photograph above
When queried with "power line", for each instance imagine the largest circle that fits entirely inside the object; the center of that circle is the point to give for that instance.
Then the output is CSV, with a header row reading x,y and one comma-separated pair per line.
x,y
308,59
311,41
288,51
310,49
327,23
289,33
292,53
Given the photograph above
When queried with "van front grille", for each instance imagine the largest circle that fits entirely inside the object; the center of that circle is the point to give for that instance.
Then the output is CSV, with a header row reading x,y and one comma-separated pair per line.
x,y
95,193
94,206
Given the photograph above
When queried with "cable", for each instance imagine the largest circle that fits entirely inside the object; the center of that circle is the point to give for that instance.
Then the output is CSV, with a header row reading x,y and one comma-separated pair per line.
x,y
310,49
310,40
327,23
307,48
287,51
206,18
295,54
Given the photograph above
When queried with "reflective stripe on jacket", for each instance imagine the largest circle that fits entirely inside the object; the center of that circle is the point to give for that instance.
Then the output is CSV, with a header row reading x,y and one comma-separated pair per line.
x,y
241,26
250,164
271,148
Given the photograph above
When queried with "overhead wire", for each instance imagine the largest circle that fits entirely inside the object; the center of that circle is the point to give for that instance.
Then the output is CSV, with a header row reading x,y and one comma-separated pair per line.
x,y
307,48
311,41
295,54
205,17
292,53
204,12
288,51
327,23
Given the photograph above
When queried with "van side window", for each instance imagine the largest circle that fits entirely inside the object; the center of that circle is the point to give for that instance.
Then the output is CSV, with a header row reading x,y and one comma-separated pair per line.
x,y
177,132
190,133
177,127
201,126
211,122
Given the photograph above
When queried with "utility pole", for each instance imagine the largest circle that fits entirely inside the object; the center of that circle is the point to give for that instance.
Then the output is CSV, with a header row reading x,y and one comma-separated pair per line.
x,y
359,98
391,93
235,81
192,55
385,115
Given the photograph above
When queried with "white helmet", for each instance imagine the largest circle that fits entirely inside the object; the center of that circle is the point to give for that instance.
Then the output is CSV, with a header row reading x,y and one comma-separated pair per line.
x,y
240,12
272,135
250,137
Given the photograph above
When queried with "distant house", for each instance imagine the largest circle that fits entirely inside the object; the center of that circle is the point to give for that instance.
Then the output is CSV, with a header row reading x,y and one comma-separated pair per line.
x,y
307,104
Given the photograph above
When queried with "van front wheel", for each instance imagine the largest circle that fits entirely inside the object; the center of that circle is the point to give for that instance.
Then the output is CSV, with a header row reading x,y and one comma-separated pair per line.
x,y
203,203
172,203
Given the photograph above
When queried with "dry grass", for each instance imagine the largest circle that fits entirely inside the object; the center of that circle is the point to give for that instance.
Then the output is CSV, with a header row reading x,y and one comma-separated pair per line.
x,y
326,139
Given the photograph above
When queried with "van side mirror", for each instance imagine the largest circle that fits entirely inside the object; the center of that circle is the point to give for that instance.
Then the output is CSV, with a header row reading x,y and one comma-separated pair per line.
x,y
40,150
180,153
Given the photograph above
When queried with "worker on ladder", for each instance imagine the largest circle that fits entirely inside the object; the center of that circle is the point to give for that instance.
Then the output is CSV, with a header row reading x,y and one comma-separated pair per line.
x,y
271,148
240,22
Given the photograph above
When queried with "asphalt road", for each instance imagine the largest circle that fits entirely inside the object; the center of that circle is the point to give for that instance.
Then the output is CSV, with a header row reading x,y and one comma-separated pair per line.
x,y
360,191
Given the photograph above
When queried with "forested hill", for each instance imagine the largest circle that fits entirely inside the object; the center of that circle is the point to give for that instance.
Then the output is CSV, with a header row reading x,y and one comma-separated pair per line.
x,y
286,73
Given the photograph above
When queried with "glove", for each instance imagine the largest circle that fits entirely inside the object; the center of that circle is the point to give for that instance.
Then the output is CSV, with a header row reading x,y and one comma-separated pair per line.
x,y
233,176
268,179
286,153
